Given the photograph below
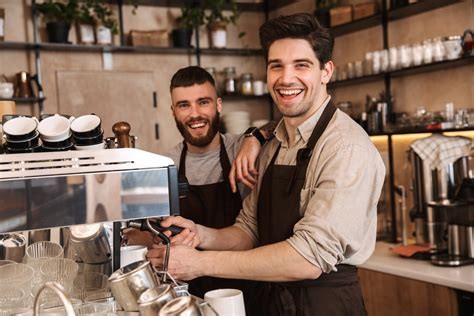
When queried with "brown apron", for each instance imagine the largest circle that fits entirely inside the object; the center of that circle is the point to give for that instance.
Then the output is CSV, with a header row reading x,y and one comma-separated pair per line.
x,y
212,205
335,293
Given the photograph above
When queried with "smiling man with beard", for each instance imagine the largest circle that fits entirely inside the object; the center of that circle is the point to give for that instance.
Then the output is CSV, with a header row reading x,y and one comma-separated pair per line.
x,y
204,158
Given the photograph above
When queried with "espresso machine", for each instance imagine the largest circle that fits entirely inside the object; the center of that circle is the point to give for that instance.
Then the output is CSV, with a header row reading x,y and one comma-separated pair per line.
x,y
99,189
443,210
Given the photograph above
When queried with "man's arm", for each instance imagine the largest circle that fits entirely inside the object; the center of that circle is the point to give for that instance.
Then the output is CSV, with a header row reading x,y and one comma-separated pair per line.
x,y
243,167
275,262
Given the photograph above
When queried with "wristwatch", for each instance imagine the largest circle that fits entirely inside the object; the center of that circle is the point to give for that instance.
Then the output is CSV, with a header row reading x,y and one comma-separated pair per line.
x,y
255,132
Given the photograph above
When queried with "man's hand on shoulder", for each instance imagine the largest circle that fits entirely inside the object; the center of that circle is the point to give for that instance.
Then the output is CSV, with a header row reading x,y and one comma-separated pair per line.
x,y
243,167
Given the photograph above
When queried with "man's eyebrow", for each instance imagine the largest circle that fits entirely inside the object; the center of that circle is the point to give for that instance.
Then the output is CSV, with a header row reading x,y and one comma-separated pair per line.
x,y
303,60
182,102
204,99
272,61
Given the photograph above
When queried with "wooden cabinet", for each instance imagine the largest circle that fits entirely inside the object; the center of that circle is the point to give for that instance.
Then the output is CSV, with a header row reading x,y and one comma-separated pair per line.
x,y
387,294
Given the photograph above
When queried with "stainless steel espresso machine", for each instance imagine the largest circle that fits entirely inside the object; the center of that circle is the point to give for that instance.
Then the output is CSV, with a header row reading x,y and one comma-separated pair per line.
x,y
443,198
60,189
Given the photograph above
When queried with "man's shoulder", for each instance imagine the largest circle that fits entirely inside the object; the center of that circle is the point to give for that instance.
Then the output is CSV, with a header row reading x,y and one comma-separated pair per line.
x,y
232,144
344,130
174,152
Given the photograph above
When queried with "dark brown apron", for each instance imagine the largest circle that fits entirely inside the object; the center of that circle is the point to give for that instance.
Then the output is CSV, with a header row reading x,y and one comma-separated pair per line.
x,y
335,293
212,205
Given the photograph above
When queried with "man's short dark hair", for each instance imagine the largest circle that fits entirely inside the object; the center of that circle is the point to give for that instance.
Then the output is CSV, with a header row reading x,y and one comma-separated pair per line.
x,y
189,76
298,26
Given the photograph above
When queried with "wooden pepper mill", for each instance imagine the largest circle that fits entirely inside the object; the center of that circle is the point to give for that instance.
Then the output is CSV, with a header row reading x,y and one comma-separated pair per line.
x,y
122,134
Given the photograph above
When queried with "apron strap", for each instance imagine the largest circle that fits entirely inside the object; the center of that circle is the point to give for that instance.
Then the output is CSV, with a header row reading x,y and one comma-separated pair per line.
x,y
223,158
304,154
182,160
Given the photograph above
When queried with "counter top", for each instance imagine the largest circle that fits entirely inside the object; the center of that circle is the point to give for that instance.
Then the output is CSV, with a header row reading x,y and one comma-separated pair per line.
x,y
383,260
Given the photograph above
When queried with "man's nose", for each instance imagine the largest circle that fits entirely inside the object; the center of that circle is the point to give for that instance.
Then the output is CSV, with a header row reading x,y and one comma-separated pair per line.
x,y
194,110
287,75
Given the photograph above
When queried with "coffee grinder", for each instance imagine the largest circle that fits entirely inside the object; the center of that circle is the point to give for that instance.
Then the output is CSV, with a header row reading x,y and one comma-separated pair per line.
x,y
443,210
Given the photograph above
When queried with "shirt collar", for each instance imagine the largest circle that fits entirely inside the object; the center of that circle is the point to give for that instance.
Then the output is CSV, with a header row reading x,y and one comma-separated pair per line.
x,y
304,131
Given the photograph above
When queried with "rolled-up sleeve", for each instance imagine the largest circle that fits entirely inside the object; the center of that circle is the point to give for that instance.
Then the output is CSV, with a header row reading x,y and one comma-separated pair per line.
x,y
339,206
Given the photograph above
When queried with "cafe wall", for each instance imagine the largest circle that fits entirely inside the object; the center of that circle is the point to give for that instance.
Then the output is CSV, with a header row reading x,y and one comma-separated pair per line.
x,y
19,28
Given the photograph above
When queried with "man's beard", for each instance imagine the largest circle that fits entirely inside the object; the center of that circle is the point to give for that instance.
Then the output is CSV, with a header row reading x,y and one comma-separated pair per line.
x,y
201,141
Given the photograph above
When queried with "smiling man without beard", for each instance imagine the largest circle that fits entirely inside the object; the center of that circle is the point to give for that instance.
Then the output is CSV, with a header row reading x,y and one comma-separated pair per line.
x,y
312,216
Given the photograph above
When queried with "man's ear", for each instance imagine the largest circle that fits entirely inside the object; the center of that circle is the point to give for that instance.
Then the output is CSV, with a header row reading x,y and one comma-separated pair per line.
x,y
172,110
327,72
219,105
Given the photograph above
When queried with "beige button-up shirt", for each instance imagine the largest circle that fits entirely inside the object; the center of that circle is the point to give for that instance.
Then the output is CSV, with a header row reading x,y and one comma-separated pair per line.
x,y
339,199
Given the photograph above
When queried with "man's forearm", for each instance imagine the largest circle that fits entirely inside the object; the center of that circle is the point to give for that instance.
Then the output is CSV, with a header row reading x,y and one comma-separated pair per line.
x,y
229,238
276,262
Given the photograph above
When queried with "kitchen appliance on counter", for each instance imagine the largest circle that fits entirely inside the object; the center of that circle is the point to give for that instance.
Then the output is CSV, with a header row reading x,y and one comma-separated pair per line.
x,y
443,218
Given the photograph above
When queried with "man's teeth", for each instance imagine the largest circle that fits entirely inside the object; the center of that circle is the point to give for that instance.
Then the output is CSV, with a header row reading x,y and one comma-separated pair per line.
x,y
197,125
290,92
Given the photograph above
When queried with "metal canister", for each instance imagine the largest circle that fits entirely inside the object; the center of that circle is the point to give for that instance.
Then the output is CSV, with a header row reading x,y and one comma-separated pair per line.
x,y
152,300
12,247
181,306
129,282
90,243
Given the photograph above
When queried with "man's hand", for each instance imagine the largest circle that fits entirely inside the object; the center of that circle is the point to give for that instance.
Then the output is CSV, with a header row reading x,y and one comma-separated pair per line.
x,y
188,236
184,262
243,167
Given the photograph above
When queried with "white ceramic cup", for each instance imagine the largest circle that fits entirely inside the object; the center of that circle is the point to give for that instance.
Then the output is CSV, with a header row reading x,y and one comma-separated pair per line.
x,y
20,126
229,302
130,254
55,128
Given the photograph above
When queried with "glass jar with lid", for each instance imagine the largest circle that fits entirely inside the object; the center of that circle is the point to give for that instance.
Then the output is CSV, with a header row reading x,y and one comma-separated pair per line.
x,y
230,84
246,84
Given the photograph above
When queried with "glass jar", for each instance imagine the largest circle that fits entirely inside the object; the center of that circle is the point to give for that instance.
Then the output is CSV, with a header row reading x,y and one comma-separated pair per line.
x,y
405,54
230,84
246,84
417,51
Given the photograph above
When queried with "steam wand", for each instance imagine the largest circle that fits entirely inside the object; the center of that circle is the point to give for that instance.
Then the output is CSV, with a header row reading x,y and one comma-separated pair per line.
x,y
155,228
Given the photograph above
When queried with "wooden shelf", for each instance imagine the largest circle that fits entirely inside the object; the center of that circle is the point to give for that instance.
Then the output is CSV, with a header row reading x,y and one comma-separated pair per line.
x,y
414,130
395,14
23,100
16,45
357,25
181,3
239,97
359,80
445,64
417,8
130,49
232,51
